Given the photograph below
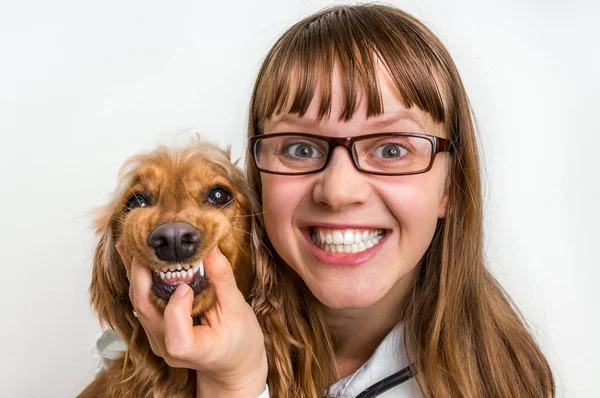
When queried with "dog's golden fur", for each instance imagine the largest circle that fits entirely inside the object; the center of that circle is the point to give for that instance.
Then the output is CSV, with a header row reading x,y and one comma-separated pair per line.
x,y
176,181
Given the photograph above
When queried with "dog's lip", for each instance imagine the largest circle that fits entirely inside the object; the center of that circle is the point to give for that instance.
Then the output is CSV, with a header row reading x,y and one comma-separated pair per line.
x,y
163,289
181,266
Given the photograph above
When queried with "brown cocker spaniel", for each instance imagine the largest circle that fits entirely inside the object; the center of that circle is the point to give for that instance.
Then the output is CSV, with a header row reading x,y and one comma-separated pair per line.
x,y
172,206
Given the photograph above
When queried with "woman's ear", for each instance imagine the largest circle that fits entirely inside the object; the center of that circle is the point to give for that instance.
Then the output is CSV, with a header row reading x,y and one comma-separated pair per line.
x,y
443,207
445,194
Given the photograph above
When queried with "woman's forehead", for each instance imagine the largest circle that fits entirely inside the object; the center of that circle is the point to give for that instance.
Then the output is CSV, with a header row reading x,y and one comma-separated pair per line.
x,y
395,117
413,117
394,113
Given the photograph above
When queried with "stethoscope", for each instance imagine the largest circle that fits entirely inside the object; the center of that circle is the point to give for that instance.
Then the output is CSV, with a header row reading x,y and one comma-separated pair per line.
x,y
385,384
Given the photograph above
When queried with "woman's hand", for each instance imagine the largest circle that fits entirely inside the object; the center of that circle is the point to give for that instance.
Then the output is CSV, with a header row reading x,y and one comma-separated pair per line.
x,y
227,349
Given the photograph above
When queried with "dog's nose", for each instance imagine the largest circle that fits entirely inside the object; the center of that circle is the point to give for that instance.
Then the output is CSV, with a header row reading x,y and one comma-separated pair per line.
x,y
174,241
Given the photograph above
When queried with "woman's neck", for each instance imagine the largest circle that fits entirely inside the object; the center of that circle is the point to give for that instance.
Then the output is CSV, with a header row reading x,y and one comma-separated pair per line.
x,y
359,331
356,337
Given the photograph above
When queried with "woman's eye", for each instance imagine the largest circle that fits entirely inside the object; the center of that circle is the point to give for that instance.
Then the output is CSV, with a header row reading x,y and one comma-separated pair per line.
x,y
219,196
391,151
135,201
301,150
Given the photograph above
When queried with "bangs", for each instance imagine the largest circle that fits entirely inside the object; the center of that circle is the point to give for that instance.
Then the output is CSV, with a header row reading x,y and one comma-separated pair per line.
x,y
354,40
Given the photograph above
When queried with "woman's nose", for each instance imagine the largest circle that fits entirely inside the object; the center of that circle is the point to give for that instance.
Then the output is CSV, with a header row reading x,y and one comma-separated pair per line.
x,y
340,185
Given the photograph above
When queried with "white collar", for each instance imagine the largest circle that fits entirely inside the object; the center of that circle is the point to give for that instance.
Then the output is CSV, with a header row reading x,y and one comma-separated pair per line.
x,y
389,358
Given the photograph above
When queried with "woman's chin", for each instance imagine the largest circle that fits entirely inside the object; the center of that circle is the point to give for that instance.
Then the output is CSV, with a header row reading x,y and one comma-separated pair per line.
x,y
359,293
346,299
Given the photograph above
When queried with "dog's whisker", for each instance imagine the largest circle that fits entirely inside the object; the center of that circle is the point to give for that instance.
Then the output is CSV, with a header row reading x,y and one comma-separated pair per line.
x,y
251,215
135,196
226,204
248,191
119,220
124,207
249,234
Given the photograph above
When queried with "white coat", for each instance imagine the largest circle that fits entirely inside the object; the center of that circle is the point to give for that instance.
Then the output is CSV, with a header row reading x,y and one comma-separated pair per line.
x,y
388,358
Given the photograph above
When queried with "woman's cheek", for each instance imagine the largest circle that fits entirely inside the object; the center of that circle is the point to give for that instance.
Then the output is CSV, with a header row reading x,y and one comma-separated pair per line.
x,y
277,197
416,207
270,208
281,196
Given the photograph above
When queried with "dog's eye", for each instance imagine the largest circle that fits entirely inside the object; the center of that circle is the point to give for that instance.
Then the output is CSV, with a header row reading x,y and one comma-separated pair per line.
x,y
135,201
219,196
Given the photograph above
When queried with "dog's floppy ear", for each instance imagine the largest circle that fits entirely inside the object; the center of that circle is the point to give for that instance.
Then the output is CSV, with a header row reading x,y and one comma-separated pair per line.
x,y
109,289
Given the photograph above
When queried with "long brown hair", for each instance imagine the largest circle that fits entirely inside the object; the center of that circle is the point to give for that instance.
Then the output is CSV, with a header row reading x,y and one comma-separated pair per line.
x,y
462,332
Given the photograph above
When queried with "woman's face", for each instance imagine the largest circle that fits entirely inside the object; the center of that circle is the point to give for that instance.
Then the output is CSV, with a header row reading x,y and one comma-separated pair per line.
x,y
340,199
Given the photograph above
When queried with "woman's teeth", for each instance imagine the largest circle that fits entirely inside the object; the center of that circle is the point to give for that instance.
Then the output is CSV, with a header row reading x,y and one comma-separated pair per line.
x,y
181,273
346,241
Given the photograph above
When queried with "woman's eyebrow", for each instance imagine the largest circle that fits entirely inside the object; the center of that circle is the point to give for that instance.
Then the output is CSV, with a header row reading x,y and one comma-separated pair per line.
x,y
374,122
295,120
383,121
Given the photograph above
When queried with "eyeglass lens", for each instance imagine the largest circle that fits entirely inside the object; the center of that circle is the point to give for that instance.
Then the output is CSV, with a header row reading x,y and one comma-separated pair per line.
x,y
383,154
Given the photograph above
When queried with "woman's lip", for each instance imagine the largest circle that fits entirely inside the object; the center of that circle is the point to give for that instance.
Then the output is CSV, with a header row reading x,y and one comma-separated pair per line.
x,y
343,259
340,226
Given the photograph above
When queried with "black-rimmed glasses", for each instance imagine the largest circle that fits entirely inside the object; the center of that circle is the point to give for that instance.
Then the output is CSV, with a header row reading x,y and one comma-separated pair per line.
x,y
381,153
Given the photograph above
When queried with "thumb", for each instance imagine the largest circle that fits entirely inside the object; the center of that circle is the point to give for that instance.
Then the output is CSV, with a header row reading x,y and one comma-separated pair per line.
x,y
121,250
126,261
219,273
179,332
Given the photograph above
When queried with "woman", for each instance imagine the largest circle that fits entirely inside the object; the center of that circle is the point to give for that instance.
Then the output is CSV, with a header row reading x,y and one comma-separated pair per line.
x,y
376,263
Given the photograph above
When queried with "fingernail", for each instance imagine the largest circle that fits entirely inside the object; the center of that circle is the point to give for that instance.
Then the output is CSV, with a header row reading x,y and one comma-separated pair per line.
x,y
181,290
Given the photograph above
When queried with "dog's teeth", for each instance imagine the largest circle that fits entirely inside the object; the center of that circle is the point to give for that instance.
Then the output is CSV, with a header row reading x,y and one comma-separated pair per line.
x,y
190,273
162,275
168,274
179,267
201,267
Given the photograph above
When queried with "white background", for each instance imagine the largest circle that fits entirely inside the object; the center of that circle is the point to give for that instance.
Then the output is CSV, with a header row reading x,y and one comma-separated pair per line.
x,y
83,85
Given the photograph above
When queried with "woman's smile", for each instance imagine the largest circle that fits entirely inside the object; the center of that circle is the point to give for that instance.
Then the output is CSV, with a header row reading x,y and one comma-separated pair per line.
x,y
343,245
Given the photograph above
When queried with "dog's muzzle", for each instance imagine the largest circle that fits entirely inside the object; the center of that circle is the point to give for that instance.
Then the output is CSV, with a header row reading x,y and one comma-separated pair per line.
x,y
175,242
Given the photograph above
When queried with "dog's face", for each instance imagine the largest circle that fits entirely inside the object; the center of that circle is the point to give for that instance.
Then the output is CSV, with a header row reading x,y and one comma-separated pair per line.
x,y
172,208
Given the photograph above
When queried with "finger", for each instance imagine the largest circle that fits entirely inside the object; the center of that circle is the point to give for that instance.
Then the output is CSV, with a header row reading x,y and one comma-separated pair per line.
x,y
141,284
219,273
180,336
140,276
154,334
120,249
150,317
155,348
